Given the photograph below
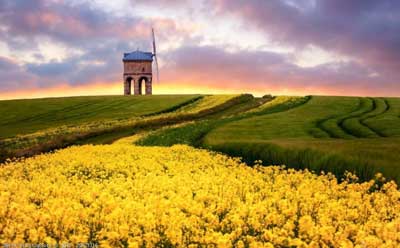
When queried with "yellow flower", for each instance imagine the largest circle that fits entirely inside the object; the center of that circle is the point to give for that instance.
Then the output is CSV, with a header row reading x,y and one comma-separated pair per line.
x,y
122,195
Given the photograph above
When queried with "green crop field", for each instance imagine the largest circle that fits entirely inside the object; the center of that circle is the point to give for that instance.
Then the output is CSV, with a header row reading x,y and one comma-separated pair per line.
x,y
321,133
320,117
26,116
33,126
333,134
363,132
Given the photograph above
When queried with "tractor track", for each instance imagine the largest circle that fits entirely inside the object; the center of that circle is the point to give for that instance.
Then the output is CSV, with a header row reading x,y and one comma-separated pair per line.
x,y
359,115
337,119
319,125
386,109
358,118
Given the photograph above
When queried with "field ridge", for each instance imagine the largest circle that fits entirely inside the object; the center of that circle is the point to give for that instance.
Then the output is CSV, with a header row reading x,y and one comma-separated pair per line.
x,y
341,125
194,133
353,124
330,125
176,107
380,111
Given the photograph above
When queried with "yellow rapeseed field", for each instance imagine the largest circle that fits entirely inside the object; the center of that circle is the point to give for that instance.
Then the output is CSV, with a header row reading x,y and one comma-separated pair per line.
x,y
206,103
276,101
121,195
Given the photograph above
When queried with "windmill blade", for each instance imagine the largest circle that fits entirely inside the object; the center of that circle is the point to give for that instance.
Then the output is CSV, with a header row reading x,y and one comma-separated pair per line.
x,y
158,73
154,42
155,55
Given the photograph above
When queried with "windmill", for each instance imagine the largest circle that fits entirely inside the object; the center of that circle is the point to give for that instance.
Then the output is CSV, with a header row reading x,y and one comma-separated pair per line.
x,y
138,70
155,55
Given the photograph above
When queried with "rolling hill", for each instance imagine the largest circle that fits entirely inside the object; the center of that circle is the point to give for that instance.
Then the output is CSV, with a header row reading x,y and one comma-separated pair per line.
x,y
124,194
322,133
31,115
318,132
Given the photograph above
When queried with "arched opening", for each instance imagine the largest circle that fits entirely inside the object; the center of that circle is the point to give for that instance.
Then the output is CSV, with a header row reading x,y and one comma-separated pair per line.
x,y
141,85
128,85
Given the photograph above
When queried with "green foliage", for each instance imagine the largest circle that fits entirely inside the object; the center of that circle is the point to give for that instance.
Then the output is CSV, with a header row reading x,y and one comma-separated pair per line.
x,y
298,158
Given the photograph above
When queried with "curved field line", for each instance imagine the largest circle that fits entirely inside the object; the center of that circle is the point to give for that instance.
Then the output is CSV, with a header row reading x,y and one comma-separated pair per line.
x,y
176,107
276,109
319,125
245,115
354,114
337,119
357,114
363,119
194,133
358,118
386,108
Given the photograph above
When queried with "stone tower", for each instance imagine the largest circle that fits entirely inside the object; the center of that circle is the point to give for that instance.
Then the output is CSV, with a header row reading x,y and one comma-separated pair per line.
x,y
138,72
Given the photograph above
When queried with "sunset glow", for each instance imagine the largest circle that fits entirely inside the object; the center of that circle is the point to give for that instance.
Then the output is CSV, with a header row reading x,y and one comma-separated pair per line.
x,y
54,48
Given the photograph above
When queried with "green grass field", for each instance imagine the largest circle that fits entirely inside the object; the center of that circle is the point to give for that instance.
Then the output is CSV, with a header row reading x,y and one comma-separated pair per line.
x,y
321,117
336,134
43,125
27,116
362,131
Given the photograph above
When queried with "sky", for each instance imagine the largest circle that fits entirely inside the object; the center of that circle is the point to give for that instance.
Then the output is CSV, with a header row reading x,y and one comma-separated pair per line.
x,y
281,47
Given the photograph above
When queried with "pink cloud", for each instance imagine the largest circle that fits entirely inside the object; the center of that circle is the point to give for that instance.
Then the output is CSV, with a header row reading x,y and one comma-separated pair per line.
x,y
364,31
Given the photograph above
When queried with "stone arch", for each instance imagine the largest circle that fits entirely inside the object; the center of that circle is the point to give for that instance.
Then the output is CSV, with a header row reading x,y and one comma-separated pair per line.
x,y
128,85
143,82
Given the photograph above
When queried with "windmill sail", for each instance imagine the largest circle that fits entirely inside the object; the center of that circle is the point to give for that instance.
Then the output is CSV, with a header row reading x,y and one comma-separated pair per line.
x,y
155,55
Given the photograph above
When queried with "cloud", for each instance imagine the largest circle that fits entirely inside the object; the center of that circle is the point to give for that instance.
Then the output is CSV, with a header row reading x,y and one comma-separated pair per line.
x,y
103,63
269,72
76,25
366,30
14,76
100,38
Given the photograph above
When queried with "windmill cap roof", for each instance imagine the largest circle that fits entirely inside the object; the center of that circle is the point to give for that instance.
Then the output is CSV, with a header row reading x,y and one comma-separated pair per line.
x,y
138,56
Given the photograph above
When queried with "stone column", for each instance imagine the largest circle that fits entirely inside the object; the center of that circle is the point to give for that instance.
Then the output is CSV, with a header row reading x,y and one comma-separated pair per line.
x,y
149,87
127,87
136,88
